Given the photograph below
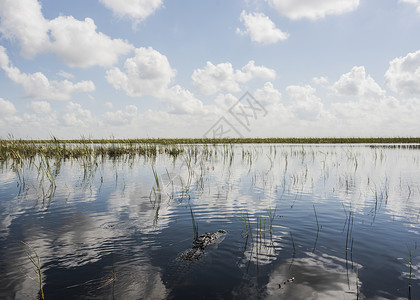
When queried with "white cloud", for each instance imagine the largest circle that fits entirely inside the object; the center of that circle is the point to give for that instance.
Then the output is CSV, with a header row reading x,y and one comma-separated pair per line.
x,y
403,74
40,107
215,78
223,78
77,43
8,116
75,116
322,80
414,2
134,9
313,9
370,110
37,85
121,117
65,75
23,19
250,71
147,73
357,83
268,95
305,104
182,101
225,101
261,29
6,108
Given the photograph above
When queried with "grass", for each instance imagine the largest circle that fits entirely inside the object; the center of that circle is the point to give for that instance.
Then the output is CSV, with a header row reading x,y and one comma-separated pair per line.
x,y
357,281
195,225
409,261
19,149
271,215
245,219
35,264
289,140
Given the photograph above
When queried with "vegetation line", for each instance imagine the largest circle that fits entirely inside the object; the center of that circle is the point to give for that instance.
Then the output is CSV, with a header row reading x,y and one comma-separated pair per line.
x,y
289,140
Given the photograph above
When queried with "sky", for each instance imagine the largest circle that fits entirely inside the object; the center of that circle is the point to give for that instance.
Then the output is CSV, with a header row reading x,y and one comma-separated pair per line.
x,y
192,69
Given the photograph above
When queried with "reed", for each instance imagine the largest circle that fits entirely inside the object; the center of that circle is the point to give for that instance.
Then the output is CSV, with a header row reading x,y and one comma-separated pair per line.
x,y
245,219
271,215
409,262
35,265
293,244
316,218
357,281
195,224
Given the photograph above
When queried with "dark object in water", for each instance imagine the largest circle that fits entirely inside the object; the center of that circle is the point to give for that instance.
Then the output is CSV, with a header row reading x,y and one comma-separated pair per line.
x,y
200,243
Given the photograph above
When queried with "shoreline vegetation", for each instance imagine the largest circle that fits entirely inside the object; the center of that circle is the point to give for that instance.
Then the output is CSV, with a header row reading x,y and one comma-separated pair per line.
x,y
19,149
208,141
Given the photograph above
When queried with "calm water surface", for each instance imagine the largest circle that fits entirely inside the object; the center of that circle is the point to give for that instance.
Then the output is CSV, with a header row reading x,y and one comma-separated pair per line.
x,y
303,222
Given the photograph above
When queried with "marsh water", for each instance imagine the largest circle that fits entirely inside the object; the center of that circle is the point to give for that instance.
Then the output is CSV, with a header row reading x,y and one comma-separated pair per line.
x,y
302,222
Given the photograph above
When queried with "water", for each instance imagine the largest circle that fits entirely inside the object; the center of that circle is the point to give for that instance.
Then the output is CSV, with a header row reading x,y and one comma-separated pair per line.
x,y
303,222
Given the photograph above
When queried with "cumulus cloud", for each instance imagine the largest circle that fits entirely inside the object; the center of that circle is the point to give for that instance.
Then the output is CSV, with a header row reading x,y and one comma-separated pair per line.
x,y
147,73
225,101
77,43
305,104
357,83
414,2
268,95
322,80
6,108
65,75
403,74
261,29
8,116
223,78
40,107
23,19
75,116
134,9
37,85
182,101
121,117
313,9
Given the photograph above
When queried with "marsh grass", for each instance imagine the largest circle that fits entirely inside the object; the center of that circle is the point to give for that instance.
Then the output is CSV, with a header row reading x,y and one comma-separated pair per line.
x,y
194,224
33,257
357,281
271,216
244,217
20,149
317,229
409,262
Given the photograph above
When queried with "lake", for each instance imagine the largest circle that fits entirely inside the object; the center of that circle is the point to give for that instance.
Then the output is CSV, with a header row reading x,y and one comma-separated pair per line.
x,y
301,222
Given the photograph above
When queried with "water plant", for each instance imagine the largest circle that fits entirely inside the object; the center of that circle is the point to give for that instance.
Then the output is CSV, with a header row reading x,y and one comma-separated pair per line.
x,y
245,218
317,230
271,216
357,281
409,262
35,265
293,244
195,224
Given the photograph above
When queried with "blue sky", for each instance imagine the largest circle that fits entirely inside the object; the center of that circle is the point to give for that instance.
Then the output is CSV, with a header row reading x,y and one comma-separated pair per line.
x,y
156,68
